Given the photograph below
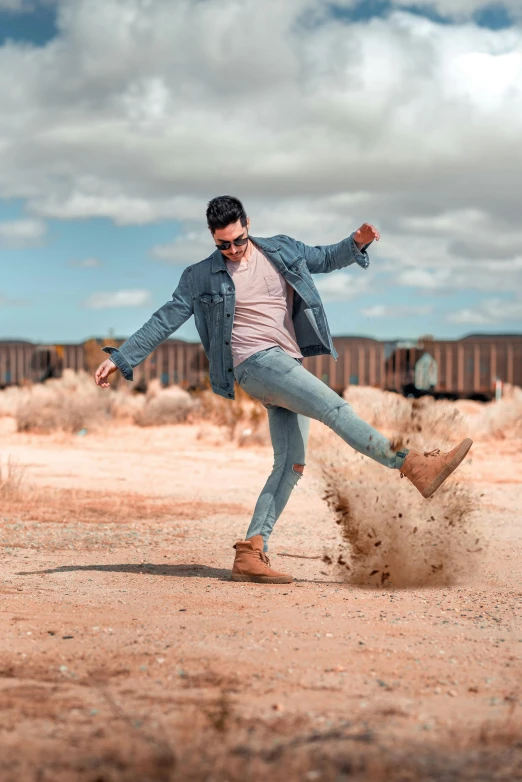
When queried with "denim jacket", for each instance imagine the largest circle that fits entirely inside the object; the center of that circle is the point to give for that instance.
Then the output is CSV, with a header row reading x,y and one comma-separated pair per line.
x,y
206,290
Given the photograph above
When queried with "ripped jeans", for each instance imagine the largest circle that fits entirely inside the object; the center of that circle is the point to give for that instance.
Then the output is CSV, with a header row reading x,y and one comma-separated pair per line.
x,y
292,395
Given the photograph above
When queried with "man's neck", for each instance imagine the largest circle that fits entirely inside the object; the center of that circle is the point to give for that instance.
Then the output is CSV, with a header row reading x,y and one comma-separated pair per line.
x,y
249,251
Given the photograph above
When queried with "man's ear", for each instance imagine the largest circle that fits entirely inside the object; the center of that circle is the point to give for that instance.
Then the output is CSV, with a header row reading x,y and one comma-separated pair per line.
x,y
248,224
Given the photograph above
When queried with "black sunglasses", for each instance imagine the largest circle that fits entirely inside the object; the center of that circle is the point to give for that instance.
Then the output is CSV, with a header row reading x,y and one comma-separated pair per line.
x,y
236,242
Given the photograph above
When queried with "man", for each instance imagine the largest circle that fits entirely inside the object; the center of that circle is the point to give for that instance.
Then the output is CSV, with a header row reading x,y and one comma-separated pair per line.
x,y
258,313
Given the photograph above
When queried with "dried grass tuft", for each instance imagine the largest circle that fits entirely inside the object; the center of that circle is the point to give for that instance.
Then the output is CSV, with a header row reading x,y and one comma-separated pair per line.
x,y
12,477
27,502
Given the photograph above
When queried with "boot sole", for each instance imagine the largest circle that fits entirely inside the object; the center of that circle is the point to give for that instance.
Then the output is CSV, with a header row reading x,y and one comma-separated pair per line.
x,y
449,468
262,579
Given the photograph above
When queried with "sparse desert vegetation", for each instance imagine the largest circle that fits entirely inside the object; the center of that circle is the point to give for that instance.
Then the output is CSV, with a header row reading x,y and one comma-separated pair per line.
x,y
74,402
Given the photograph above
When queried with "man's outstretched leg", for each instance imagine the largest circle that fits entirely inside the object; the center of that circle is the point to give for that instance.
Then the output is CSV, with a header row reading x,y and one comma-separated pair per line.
x,y
280,382
276,378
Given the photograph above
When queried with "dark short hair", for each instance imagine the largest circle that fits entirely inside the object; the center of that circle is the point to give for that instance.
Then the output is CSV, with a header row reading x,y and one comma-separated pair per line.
x,y
223,211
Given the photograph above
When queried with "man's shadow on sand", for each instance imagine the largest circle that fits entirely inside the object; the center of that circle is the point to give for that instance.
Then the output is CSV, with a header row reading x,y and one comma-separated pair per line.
x,y
179,571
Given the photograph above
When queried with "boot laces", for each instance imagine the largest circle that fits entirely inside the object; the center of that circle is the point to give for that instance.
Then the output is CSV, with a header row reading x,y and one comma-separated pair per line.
x,y
264,558
435,452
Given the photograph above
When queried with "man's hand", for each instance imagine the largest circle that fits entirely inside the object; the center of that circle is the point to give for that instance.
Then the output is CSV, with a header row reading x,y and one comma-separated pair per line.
x,y
103,372
365,235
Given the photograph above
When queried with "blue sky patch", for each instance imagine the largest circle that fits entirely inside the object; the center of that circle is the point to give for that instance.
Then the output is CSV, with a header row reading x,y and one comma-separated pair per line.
x,y
365,10
36,27
494,16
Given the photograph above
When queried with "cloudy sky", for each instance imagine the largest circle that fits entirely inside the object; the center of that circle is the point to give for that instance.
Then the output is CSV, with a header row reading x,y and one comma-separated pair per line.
x,y
121,118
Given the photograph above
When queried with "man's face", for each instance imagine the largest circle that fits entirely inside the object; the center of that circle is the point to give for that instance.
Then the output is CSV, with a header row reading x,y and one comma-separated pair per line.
x,y
228,234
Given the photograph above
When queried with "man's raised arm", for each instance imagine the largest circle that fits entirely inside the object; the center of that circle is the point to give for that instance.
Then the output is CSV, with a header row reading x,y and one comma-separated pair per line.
x,y
329,257
161,325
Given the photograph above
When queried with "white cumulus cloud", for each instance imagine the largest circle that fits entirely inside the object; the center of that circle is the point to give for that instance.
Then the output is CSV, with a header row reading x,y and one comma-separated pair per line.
x,y
21,233
123,298
397,311
15,5
490,311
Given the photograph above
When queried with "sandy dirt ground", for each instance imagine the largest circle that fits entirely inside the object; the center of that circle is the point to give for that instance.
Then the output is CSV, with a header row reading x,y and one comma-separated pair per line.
x,y
126,653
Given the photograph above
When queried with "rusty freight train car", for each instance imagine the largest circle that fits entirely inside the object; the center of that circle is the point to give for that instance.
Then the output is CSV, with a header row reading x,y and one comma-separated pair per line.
x,y
469,367
24,362
466,368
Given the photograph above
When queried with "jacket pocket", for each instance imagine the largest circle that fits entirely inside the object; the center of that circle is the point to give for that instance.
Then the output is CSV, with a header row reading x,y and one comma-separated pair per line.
x,y
208,300
297,265
212,306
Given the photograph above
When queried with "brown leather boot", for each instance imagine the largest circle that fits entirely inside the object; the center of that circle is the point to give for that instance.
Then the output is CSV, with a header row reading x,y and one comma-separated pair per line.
x,y
427,471
252,564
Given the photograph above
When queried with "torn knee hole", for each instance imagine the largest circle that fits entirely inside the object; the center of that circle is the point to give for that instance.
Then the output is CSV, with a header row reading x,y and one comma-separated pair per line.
x,y
298,468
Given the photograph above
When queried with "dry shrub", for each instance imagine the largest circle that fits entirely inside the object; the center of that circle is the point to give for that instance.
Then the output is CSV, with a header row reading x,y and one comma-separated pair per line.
x,y
390,534
162,406
74,402
211,434
70,404
500,420
214,409
420,423
382,409
433,424
9,401
426,423
243,419
126,406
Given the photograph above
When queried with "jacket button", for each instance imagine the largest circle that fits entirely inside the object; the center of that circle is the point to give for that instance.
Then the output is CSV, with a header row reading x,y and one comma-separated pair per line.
x,y
229,288
230,370
226,343
230,395
228,314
